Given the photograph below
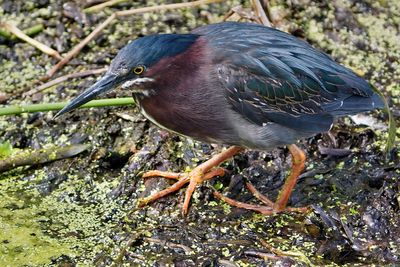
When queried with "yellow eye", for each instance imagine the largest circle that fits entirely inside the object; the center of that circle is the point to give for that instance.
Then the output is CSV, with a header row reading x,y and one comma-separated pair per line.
x,y
138,70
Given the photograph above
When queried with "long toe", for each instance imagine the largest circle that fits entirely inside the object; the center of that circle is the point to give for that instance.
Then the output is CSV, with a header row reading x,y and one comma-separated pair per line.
x,y
194,178
173,188
197,177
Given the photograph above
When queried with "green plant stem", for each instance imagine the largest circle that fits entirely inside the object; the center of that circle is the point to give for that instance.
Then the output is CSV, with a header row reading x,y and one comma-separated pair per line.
x,y
392,123
18,109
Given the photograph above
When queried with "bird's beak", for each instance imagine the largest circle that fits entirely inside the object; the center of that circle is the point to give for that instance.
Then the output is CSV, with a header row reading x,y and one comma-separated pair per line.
x,y
106,83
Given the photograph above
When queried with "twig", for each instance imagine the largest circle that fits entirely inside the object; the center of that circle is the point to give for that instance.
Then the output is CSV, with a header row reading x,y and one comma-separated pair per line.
x,y
29,31
336,152
260,13
228,15
40,156
79,46
135,236
13,110
98,29
63,79
17,32
165,7
168,244
242,13
103,5
281,253
267,10
262,255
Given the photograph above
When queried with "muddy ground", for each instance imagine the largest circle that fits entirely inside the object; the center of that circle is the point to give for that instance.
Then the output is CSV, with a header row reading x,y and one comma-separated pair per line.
x,y
83,210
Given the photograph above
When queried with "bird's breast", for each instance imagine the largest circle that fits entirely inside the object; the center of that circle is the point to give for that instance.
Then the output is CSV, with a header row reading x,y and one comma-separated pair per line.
x,y
183,116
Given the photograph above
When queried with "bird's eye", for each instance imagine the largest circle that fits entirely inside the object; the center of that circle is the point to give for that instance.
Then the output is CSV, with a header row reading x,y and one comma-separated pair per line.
x,y
138,70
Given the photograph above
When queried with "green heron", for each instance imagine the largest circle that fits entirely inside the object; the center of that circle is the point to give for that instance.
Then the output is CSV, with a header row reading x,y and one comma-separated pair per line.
x,y
238,84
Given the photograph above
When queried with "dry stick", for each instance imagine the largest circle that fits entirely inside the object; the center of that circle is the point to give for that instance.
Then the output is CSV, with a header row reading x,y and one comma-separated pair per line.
x,y
35,157
228,15
21,35
267,11
63,79
187,249
242,13
103,5
29,31
78,47
166,7
282,253
260,13
262,255
135,236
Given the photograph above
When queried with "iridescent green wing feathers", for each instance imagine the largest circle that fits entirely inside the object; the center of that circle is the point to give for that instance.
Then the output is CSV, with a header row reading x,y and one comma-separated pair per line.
x,y
279,78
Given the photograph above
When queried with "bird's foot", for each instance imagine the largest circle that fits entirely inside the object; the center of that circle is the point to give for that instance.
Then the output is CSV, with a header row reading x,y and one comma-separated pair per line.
x,y
195,177
208,170
268,208
203,172
298,161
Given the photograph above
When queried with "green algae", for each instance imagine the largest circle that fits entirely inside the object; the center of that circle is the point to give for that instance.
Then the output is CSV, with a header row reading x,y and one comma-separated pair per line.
x,y
22,240
6,149
36,229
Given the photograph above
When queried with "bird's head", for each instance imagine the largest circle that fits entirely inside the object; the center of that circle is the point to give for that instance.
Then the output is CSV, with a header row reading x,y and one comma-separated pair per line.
x,y
132,67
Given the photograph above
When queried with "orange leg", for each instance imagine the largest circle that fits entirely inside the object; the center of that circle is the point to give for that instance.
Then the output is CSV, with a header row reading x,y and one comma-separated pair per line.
x,y
298,161
207,170
199,174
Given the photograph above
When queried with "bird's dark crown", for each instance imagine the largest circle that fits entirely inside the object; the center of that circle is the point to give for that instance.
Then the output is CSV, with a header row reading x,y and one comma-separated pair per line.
x,y
149,50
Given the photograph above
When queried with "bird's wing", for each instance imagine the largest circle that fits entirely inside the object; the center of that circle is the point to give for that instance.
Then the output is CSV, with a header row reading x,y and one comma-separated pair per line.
x,y
271,76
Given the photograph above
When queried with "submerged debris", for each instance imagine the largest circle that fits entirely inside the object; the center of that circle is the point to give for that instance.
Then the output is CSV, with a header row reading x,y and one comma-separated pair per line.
x,y
23,158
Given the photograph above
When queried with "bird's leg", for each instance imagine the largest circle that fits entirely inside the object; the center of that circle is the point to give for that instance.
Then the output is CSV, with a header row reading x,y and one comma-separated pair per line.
x,y
298,161
199,174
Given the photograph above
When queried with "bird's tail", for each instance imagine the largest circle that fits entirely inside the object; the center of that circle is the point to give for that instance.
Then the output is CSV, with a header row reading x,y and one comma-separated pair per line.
x,y
355,104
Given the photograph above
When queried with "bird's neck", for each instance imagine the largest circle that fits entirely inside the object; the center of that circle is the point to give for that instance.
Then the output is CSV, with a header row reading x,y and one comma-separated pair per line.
x,y
182,91
178,72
